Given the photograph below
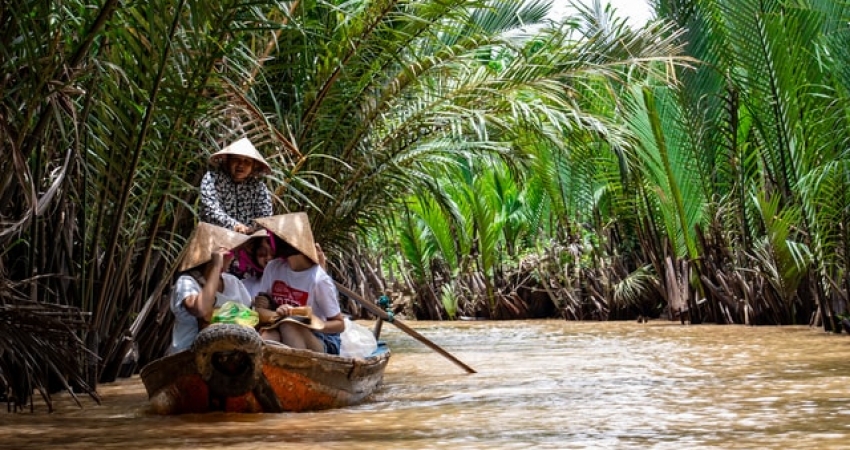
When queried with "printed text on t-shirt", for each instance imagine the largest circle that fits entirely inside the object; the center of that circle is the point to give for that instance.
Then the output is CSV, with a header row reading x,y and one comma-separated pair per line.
x,y
284,294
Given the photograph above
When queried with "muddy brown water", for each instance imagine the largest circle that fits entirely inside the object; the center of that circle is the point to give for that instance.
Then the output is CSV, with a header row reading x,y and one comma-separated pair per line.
x,y
540,384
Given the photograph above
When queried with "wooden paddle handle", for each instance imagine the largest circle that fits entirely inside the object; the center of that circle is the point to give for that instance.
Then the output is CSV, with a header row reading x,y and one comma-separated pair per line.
x,y
376,310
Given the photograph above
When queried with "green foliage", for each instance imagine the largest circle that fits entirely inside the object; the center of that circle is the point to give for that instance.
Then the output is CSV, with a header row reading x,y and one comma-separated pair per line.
x,y
467,133
414,248
634,288
667,164
767,108
783,260
449,300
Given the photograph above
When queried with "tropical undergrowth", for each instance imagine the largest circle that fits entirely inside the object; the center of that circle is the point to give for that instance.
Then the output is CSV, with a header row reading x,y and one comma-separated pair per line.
x,y
714,194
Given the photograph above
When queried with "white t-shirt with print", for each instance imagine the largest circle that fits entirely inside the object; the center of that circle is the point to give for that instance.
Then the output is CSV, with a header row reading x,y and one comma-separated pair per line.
x,y
312,287
185,324
252,284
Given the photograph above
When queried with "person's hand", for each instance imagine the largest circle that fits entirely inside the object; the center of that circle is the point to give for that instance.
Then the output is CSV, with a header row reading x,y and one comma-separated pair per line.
x,y
284,310
227,258
218,257
220,260
262,301
240,228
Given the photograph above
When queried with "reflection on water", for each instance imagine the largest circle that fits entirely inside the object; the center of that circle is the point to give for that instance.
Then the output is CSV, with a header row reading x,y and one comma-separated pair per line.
x,y
547,384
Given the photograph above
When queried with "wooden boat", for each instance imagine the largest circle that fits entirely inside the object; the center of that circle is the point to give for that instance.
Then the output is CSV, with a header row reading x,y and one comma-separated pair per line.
x,y
230,368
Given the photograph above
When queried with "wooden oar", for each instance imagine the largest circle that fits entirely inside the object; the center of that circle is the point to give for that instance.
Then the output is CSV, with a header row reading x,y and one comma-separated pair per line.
x,y
374,309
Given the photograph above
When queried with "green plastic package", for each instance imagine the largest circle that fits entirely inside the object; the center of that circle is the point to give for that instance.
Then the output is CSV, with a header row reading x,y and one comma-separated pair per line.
x,y
234,312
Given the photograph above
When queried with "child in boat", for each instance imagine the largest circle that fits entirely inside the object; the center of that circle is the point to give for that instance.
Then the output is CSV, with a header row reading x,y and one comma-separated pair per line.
x,y
233,193
295,279
253,260
202,283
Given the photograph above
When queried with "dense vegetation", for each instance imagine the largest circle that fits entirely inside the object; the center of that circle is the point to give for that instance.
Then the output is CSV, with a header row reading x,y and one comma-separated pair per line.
x,y
468,157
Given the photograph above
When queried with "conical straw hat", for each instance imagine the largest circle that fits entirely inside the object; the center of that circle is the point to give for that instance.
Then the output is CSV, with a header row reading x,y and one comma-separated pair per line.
x,y
206,238
294,229
242,147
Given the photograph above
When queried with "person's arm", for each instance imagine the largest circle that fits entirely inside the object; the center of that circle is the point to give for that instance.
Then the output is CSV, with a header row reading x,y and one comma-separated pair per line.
x,y
335,324
261,205
211,209
202,304
264,209
327,299
263,305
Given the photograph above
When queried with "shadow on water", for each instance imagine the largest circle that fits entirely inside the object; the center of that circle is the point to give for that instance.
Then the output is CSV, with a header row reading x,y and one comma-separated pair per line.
x,y
540,384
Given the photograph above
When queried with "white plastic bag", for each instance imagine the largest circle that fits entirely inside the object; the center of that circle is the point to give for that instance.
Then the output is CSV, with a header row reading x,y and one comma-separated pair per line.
x,y
357,340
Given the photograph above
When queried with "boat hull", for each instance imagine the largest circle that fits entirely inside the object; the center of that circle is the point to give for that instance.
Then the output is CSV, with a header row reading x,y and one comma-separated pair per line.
x,y
289,380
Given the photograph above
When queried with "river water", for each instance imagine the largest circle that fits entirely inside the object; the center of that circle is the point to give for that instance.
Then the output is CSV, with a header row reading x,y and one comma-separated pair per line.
x,y
540,384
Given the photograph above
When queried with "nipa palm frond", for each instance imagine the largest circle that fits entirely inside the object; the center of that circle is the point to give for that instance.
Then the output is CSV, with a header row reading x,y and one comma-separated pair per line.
x,y
40,352
634,289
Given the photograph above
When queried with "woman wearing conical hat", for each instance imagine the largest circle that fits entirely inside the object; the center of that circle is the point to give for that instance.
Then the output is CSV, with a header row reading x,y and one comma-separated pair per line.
x,y
294,280
233,193
202,284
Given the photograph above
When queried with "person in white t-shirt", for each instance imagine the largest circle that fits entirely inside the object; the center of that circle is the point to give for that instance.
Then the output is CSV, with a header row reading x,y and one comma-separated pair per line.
x,y
295,279
203,284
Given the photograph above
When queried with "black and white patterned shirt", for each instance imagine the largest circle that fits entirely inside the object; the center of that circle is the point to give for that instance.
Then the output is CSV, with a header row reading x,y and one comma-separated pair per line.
x,y
226,203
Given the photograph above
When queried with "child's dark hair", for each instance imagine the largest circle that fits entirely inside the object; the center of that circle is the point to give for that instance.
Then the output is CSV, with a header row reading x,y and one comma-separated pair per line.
x,y
251,248
247,257
283,249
